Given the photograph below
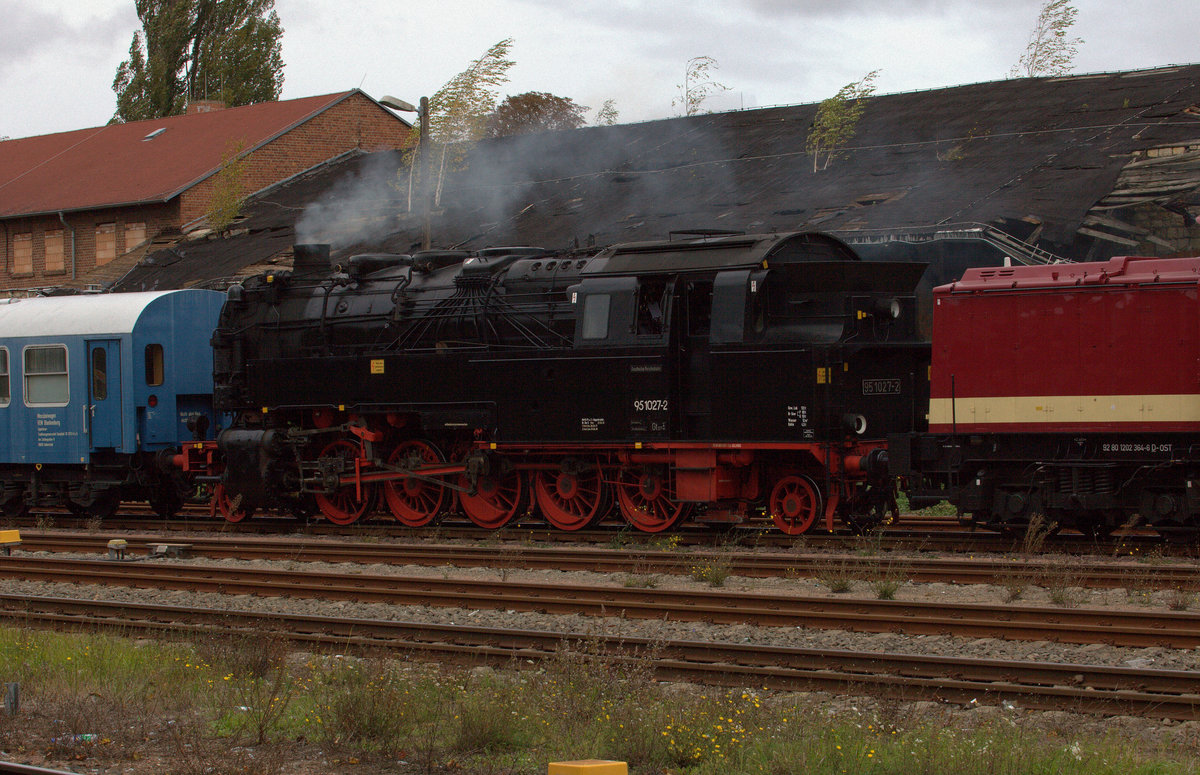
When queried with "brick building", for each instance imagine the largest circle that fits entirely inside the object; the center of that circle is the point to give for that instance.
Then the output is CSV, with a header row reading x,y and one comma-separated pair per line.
x,y
75,201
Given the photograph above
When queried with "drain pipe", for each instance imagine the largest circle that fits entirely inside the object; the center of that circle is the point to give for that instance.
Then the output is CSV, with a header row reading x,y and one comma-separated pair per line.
x,y
72,229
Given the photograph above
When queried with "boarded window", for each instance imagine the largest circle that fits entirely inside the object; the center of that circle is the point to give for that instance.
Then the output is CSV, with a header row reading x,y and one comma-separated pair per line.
x,y
55,255
22,254
154,365
46,381
106,243
4,394
135,234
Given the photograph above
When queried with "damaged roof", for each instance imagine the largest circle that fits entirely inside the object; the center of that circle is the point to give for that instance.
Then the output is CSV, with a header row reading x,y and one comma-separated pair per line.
x,y
1030,157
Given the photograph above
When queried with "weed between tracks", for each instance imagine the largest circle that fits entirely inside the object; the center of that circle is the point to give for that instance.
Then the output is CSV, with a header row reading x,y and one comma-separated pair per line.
x,y
243,704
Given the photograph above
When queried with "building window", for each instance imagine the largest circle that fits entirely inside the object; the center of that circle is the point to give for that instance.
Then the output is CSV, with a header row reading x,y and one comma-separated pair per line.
x,y
135,234
55,257
4,394
106,243
22,254
46,381
154,365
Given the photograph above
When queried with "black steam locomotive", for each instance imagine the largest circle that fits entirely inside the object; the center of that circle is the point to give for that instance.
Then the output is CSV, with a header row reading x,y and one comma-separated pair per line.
x,y
725,378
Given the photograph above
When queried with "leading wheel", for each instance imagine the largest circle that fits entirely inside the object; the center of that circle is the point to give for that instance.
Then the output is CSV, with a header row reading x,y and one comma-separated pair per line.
x,y
347,503
229,508
497,499
571,499
415,502
795,504
646,500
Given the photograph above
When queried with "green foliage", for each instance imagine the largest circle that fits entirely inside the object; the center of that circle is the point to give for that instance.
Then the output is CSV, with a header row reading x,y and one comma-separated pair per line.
x,y
230,709
534,111
608,113
697,85
1050,51
837,120
458,114
227,194
227,50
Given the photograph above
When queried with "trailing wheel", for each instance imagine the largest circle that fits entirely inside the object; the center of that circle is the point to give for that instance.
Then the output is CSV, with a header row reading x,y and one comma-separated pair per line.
x,y
229,508
573,497
795,504
342,504
415,502
646,500
498,499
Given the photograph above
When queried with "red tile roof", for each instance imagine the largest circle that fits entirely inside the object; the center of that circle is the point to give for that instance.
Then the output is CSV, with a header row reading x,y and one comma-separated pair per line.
x,y
122,164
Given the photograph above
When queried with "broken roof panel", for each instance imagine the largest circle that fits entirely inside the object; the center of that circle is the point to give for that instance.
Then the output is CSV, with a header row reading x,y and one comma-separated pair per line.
x,y
1031,154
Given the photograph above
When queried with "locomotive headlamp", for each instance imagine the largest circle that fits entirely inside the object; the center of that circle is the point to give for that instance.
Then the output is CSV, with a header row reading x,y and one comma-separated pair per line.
x,y
888,308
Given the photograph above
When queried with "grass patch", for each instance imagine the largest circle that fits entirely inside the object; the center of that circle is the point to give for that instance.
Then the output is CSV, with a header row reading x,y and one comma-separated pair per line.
x,y
213,706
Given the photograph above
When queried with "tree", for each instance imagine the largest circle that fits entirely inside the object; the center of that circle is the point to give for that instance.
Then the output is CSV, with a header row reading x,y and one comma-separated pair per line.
x,y
534,111
608,113
1050,51
227,194
457,117
187,49
697,85
837,119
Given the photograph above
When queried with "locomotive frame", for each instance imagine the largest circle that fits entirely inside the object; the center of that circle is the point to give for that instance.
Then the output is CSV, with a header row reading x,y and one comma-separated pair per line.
x,y
725,377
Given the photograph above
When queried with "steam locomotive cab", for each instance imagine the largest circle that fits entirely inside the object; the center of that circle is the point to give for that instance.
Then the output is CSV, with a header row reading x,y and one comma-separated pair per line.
x,y
728,378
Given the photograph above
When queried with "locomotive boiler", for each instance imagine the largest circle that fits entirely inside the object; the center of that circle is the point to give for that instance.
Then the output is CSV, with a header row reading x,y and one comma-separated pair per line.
x,y
724,378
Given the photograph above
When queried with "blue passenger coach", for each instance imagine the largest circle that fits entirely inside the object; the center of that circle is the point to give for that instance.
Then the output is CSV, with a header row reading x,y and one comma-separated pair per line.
x,y
97,392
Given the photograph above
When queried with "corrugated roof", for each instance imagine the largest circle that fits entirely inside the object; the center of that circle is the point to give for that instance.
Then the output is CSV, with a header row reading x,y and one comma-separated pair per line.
x,y
117,165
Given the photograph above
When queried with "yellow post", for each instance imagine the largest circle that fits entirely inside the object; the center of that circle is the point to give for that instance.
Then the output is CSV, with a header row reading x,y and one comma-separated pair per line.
x,y
589,767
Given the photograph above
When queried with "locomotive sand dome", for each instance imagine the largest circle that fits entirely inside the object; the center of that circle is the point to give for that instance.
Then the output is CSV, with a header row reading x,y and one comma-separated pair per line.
x,y
728,378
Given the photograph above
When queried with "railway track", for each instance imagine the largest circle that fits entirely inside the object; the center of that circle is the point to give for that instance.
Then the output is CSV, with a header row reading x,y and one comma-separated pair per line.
x,y
760,564
1117,628
1169,694
923,533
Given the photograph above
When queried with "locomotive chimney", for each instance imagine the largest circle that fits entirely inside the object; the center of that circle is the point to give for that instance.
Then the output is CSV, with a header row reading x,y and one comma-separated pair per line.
x,y
312,259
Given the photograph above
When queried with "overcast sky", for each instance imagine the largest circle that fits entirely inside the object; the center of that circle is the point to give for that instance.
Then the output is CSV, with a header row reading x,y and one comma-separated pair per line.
x,y
58,57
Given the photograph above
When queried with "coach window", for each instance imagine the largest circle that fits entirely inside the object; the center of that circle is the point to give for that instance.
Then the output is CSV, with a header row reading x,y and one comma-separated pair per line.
x,y
4,394
46,381
99,374
595,316
154,365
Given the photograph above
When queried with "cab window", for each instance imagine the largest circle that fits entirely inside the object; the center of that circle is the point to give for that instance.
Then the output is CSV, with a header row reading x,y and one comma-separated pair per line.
x,y
46,381
595,316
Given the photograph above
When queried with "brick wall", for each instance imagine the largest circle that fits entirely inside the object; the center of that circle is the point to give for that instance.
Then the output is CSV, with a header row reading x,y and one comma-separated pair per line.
x,y
1183,236
354,123
83,227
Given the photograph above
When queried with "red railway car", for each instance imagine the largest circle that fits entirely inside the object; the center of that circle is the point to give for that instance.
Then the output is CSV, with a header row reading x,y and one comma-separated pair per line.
x,y
1070,391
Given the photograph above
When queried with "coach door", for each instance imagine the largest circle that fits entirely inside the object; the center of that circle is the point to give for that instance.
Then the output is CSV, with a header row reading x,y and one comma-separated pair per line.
x,y
104,393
